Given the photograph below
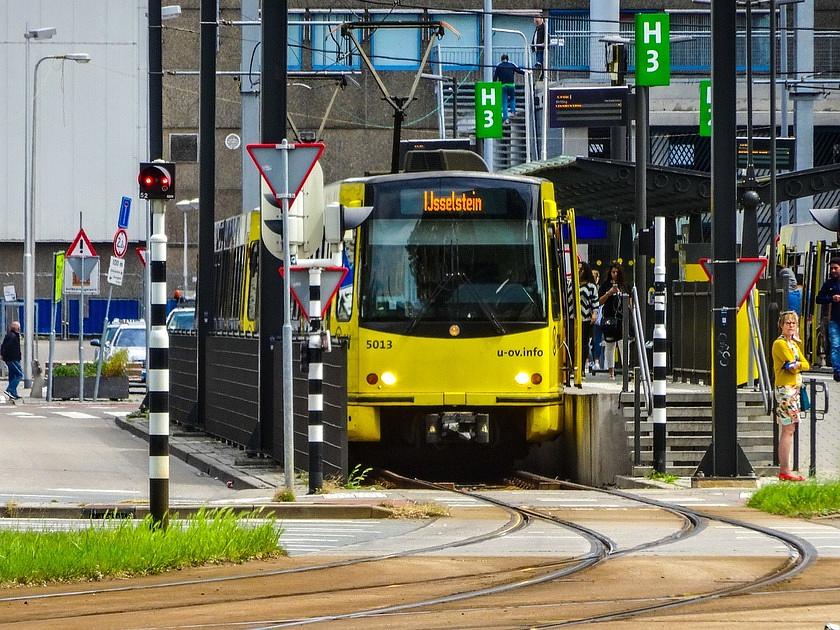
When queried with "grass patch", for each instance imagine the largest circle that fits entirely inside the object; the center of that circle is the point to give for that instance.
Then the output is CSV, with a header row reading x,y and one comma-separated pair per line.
x,y
284,496
120,548
664,477
807,499
416,510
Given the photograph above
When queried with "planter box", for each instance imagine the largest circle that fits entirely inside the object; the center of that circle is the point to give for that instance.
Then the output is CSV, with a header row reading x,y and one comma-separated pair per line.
x,y
110,388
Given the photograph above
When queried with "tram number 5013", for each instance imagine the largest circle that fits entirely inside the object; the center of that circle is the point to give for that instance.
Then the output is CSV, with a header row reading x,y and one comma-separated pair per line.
x,y
379,344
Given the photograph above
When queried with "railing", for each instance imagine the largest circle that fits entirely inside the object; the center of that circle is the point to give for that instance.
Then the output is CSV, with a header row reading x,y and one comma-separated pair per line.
x,y
757,353
569,51
641,349
814,414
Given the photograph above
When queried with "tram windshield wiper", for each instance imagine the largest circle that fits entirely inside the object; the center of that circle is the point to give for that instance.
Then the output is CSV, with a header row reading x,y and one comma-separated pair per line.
x,y
482,303
443,284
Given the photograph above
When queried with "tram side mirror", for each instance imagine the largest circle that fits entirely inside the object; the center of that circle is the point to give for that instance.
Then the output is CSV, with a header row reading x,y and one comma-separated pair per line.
x,y
339,218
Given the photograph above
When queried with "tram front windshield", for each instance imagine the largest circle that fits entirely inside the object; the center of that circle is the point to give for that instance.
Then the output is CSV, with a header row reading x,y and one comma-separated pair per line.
x,y
453,250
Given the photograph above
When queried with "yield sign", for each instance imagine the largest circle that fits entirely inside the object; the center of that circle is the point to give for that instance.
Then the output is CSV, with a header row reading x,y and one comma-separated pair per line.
x,y
81,246
747,273
141,254
269,161
331,278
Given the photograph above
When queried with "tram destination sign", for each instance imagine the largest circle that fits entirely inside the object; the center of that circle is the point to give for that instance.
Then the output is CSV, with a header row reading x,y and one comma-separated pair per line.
x,y
785,153
588,106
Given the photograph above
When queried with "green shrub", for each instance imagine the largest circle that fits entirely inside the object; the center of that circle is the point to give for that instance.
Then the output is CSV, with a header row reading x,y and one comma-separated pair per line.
x,y
115,365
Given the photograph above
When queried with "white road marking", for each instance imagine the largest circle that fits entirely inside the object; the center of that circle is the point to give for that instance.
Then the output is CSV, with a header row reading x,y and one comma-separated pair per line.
x,y
94,491
77,415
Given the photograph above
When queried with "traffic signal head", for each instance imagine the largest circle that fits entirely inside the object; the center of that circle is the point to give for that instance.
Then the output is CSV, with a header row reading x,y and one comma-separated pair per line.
x,y
157,180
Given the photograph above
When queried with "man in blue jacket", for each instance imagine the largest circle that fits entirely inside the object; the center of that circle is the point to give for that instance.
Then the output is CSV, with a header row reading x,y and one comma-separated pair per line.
x,y
506,73
830,294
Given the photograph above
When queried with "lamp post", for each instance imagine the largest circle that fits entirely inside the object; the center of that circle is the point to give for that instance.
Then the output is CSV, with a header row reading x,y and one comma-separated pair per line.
x,y
29,222
29,34
186,205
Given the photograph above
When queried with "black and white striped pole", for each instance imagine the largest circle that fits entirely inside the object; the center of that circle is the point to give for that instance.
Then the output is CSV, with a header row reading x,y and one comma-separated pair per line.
x,y
660,345
157,374
314,282
157,183
316,378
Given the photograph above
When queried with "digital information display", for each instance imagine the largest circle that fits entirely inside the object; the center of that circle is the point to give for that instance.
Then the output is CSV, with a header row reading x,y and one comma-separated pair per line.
x,y
785,153
588,106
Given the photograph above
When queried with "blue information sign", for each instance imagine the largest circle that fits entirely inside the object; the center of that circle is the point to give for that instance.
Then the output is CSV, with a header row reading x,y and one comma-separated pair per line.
x,y
125,211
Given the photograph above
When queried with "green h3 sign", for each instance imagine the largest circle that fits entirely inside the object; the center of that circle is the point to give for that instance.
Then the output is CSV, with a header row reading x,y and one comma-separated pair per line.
x,y
653,49
706,108
488,110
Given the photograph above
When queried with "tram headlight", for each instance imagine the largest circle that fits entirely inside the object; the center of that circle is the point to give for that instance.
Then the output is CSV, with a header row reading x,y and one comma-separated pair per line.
x,y
389,378
522,378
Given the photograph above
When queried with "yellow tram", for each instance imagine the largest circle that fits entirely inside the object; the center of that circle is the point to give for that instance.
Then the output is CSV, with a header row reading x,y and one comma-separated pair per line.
x,y
456,320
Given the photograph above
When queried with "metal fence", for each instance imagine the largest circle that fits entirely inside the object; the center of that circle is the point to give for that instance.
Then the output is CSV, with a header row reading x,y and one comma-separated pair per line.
x,y
232,410
569,52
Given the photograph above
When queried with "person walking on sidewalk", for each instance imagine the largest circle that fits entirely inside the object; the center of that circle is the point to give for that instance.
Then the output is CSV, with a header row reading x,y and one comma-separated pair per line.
x,y
506,73
788,363
10,351
830,294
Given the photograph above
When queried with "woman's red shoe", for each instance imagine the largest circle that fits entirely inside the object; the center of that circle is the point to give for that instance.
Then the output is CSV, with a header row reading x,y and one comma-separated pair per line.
x,y
791,477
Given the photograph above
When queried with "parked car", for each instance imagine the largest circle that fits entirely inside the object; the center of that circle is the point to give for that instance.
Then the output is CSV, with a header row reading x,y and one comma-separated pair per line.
x,y
181,318
129,335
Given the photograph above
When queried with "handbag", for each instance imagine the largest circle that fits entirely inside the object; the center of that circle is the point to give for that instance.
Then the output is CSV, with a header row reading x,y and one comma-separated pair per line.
x,y
804,401
611,328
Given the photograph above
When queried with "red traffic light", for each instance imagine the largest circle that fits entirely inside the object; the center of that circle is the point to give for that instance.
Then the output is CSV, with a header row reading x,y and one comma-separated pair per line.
x,y
157,180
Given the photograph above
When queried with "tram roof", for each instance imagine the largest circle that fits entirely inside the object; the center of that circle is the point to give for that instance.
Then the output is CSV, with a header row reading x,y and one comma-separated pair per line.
x,y
606,189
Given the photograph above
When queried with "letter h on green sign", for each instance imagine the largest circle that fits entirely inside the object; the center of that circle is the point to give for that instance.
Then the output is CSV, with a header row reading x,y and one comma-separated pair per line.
x,y
653,49
705,108
488,110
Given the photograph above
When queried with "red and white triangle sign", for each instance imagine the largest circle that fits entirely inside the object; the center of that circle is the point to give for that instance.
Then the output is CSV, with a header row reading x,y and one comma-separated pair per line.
x,y
747,273
81,246
269,161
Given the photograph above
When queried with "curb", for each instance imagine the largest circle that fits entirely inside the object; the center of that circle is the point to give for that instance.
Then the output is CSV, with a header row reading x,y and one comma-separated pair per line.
x,y
239,480
635,483
278,510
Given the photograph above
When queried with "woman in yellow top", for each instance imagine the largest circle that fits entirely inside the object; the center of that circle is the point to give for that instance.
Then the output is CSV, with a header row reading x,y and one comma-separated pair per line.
x,y
788,363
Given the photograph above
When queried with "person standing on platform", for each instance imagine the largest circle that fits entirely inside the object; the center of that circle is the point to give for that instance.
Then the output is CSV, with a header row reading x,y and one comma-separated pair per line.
x,y
830,294
10,351
538,44
588,311
610,297
788,363
506,73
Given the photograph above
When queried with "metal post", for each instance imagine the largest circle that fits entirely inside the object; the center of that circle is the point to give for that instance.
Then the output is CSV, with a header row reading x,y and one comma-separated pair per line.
x,y
53,310
772,306
316,377
660,349
82,329
487,71
812,392
288,392
185,254
157,374
639,272
724,456
102,344
637,417
206,289
273,106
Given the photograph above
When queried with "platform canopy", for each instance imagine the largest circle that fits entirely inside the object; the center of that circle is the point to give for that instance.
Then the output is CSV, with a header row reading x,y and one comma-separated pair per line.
x,y
606,189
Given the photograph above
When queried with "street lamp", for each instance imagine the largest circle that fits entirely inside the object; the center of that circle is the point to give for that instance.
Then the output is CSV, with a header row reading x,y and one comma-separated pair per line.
x,y
29,223
29,34
185,205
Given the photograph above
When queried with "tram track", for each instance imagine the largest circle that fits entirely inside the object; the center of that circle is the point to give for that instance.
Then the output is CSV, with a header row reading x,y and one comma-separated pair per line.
x,y
601,550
